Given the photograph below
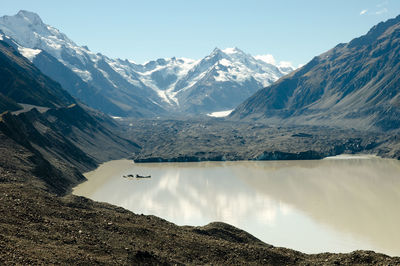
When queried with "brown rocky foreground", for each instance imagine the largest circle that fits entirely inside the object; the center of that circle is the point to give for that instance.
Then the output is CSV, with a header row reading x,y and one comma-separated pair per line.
x,y
39,227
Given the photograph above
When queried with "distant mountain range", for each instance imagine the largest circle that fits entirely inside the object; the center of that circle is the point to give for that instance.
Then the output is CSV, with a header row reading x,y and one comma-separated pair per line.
x,y
118,87
353,85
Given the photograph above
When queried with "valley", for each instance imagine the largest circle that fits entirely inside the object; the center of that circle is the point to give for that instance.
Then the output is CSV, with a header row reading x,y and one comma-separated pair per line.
x,y
65,110
39,227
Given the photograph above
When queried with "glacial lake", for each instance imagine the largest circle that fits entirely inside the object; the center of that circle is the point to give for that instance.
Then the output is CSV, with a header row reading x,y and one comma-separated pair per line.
x,y
337,204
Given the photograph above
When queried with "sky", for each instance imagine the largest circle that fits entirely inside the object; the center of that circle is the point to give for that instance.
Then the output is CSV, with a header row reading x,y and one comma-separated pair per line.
x,y
290,30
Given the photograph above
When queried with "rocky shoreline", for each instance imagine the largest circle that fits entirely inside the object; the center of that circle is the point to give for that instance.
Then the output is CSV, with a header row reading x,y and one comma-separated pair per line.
x,y
38,227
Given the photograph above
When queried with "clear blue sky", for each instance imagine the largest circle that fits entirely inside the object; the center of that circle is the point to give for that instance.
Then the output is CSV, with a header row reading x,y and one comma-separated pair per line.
x,y
291,30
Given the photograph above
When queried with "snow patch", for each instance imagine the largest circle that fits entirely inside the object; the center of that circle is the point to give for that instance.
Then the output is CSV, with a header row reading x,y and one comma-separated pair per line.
x,y
220,113
164,96
221,76
29,53
225,62
230,50
84,74
117,118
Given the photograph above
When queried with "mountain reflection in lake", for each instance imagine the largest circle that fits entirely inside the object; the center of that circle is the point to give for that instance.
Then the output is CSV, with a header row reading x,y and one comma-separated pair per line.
x,y
336,204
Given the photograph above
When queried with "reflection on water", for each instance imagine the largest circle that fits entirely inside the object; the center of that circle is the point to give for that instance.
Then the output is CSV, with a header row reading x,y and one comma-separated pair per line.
x,y
337,205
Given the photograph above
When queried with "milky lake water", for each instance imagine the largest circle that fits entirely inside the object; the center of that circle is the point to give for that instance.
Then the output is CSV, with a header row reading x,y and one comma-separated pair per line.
x,y
338,204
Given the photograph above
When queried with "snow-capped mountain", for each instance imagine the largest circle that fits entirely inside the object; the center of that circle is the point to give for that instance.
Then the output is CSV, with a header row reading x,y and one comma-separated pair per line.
x,y
160,75
222,80
218,82
131,97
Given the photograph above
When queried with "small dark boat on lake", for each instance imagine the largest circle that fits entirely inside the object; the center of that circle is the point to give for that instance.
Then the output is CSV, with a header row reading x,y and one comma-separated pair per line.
x,y
140,176
137,176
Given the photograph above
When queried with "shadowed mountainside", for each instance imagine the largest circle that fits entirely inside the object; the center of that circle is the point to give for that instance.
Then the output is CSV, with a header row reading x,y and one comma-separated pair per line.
x,y
8,104
354,85
64,137
70,81
66,141
24,83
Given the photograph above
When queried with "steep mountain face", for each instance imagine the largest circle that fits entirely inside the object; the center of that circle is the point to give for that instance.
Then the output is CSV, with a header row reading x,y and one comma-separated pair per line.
x,y
24,83
65,142
222,80
353,85
160,75
8,104
64,137
70,81
218,82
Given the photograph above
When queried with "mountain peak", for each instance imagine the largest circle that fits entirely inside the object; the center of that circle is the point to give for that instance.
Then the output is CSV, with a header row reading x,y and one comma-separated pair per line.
x,y
29,31
233,50
216,54
227,51
216,50
31,17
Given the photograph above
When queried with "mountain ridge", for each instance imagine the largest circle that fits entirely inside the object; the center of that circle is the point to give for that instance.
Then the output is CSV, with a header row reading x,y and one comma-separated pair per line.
x,y
64,137
161,86
352,85
24,83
